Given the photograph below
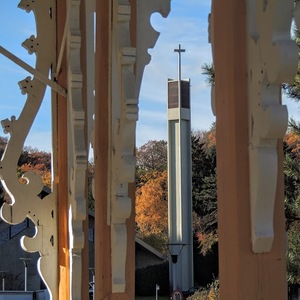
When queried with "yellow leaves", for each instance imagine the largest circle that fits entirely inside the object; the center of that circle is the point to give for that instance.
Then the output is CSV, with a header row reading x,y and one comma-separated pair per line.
x,y
207,137
40,169
152,205
211,292
292,139
206,240
211,138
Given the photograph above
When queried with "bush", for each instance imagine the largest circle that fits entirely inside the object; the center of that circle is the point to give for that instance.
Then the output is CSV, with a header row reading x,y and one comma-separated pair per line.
x,y
147,278
211,293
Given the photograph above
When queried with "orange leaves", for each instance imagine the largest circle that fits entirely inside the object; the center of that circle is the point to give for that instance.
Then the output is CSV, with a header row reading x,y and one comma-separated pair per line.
x,y
292,140
206,240
207,137
211,138
36,161
40,169
152,205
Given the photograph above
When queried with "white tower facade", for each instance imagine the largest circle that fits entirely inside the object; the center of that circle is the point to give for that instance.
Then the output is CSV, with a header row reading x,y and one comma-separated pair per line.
x,y
180,183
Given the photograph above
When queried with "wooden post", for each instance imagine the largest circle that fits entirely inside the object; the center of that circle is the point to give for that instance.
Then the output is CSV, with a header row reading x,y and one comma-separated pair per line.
x,y
85,250
101,148
62,167
103,284
243,274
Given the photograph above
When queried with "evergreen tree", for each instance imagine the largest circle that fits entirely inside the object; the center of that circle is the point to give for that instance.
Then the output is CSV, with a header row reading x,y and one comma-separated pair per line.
x,y
292,199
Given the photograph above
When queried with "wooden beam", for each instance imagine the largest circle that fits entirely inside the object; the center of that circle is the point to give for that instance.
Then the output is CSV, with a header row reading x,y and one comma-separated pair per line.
x,y
85,251
62,167
101,148
243,274
103,284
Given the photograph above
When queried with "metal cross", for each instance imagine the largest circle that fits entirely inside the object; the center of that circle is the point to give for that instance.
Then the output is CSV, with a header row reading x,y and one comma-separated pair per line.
x,y
179,50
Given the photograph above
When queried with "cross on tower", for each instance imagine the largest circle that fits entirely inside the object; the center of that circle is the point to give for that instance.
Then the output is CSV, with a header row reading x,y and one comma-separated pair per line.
x,y
179,50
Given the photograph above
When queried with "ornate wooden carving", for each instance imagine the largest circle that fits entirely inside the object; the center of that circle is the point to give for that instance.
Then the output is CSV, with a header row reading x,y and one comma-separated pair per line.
x,y
24,197
77,147
127,68
127,65
272,60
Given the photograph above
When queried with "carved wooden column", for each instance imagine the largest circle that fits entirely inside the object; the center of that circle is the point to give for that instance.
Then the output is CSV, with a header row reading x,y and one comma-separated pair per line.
x,y
252,239
71,128
102,75
58,217
121,55
114,242
84,20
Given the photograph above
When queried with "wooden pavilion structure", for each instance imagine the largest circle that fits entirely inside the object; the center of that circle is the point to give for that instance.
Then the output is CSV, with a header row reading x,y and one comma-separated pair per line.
x,y
95,98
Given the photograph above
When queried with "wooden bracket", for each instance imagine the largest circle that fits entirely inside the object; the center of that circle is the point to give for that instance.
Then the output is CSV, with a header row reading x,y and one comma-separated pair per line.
x,y
127,69
24,197
272,60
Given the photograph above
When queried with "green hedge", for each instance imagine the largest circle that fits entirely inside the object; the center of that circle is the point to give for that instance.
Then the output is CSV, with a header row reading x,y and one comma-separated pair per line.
x,y
147,278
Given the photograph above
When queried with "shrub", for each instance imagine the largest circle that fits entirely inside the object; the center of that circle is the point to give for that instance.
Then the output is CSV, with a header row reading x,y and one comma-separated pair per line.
x,y
210,293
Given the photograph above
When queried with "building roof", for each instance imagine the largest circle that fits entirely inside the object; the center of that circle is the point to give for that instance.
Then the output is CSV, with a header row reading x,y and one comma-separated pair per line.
x,y
150,248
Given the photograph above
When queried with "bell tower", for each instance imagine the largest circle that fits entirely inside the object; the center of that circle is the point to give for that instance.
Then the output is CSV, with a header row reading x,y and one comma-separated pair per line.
x,y
180,181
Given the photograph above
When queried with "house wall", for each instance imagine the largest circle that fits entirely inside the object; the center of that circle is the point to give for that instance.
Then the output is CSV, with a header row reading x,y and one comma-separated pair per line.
x,y
144,258
10,263
11,252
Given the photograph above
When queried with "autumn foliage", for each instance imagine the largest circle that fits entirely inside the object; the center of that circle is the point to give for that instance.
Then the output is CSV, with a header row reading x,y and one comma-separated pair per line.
x,y
292,140
152,205
152,208
39,169
33,160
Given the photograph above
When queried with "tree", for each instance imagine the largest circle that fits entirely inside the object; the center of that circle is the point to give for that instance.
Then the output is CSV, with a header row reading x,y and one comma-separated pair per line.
x,y
292,178
205,187
152,210
209,71
149,187
30,160
292,199
292,174
151,157
293,268
91,173
36,161
152,207
39,169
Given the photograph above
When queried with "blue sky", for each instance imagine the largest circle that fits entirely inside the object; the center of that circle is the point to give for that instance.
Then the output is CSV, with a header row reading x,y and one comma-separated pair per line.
x,y
186,25
17,26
